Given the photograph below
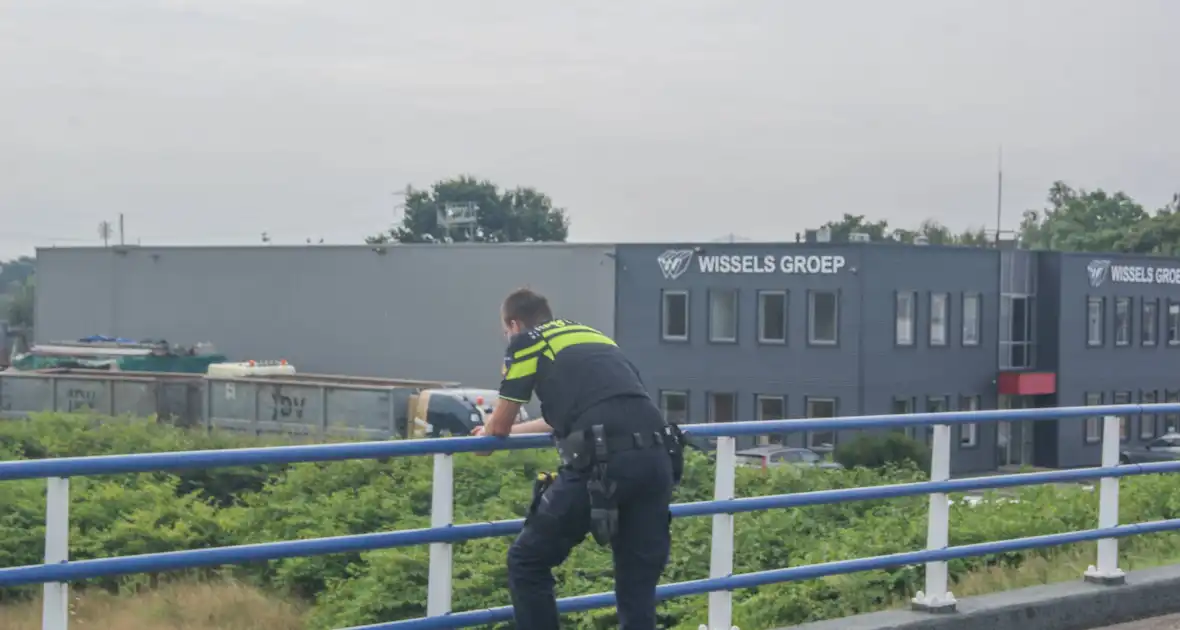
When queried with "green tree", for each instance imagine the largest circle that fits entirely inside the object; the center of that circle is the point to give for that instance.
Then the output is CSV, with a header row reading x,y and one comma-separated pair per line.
x,y
519,214
935,232
1158,234
14,272
1085,221
20,306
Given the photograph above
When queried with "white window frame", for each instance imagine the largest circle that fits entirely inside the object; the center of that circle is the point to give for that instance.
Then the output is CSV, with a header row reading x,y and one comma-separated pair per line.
x,y
665,316
1095,321
716,303
1149,323
972,313
905,307
940,315
762,317
807,406
1173,323
764,440
1169,421
665,396
1093,430
1123,398
1148,420
711,405
1123,328
969,432
811,318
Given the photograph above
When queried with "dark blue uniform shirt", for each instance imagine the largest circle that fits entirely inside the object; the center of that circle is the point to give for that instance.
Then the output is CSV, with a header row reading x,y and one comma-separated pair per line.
x,y
571,367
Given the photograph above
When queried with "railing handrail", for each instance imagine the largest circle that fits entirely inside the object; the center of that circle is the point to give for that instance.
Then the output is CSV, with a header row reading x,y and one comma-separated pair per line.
x,y
443,532
254,552
153,462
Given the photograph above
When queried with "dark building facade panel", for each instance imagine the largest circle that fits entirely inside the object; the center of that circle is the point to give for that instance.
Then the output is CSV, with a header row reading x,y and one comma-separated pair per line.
x,y
948,369
865,371
1118,365
796,369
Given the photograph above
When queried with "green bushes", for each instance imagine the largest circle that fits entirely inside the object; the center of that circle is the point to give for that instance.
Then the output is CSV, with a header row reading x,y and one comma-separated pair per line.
x,y
126,514
878,450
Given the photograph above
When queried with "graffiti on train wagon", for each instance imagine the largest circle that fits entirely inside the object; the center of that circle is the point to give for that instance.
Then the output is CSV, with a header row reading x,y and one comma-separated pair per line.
x,y
286,406
79,399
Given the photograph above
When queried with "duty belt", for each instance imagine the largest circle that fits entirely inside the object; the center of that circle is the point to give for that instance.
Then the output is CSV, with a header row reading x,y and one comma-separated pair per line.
x,y
579,449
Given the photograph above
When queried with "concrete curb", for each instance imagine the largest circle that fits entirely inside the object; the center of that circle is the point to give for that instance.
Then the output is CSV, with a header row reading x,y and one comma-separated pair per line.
x,y
1075,605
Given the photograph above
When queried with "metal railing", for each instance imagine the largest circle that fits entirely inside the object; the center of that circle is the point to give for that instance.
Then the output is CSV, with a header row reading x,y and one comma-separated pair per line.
x,y
935,597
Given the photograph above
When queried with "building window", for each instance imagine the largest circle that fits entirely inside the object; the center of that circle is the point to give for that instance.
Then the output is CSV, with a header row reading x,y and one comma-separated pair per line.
x,y
1016,332
722,407
1123,398
823,318
675,316
772,316
1170,420
1093,423
723,315
934,404
1147,420
939,314
1150,322
904,318
1122,321
902,405
1094,321
675,406
821,408
771,408
969,432
905,406
1173,323
971,316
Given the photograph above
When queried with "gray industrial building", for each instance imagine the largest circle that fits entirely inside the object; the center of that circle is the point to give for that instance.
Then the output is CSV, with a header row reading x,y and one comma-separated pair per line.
x,y
720,331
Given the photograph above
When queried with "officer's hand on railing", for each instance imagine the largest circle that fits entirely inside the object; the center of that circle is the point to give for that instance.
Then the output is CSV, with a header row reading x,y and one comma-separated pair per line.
x,y
480,432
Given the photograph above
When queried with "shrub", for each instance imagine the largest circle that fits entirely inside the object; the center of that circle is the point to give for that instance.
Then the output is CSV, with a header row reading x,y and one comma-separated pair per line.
x,y
880,450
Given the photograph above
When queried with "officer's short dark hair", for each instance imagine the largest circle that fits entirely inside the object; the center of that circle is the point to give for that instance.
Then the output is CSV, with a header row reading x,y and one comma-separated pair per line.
x,y
527,307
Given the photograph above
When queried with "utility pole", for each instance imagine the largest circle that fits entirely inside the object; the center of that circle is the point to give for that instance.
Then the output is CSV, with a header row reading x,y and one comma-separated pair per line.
x,y
121,242
999,193
104,232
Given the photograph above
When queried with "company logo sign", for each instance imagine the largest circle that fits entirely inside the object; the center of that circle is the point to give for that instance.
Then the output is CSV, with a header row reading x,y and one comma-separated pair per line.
x,y
1097,269
1100,271
675,262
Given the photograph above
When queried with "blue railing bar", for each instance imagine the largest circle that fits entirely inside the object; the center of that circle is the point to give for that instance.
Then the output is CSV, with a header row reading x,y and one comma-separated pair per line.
x,y
885,421
194,558
151,462
893,491
775,576
240,554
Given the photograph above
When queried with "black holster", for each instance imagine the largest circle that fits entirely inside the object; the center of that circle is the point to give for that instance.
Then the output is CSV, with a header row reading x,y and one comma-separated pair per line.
x,y
604,505
544,480
674,442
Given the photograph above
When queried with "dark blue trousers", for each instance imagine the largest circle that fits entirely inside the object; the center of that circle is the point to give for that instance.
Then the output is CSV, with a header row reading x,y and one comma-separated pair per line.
x,y
562,521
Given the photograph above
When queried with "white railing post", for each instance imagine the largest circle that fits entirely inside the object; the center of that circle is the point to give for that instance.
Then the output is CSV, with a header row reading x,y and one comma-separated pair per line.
x,y
721,551
442,509
55,605
1107,571
936,598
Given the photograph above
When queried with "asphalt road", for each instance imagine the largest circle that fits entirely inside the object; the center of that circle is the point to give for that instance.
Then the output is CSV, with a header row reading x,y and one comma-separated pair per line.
x,y
1171,622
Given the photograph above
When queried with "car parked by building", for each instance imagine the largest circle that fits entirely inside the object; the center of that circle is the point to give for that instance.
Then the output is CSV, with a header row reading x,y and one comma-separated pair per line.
x,y
777,455
1161,449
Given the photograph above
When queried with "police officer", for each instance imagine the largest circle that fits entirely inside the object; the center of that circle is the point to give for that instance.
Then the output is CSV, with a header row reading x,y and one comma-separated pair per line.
x,y
620,462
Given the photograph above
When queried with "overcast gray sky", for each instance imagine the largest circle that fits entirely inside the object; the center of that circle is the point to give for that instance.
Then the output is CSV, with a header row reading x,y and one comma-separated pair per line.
x,y
210,121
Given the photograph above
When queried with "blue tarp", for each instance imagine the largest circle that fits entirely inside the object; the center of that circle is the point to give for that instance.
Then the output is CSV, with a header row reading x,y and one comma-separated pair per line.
x,y
104,338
